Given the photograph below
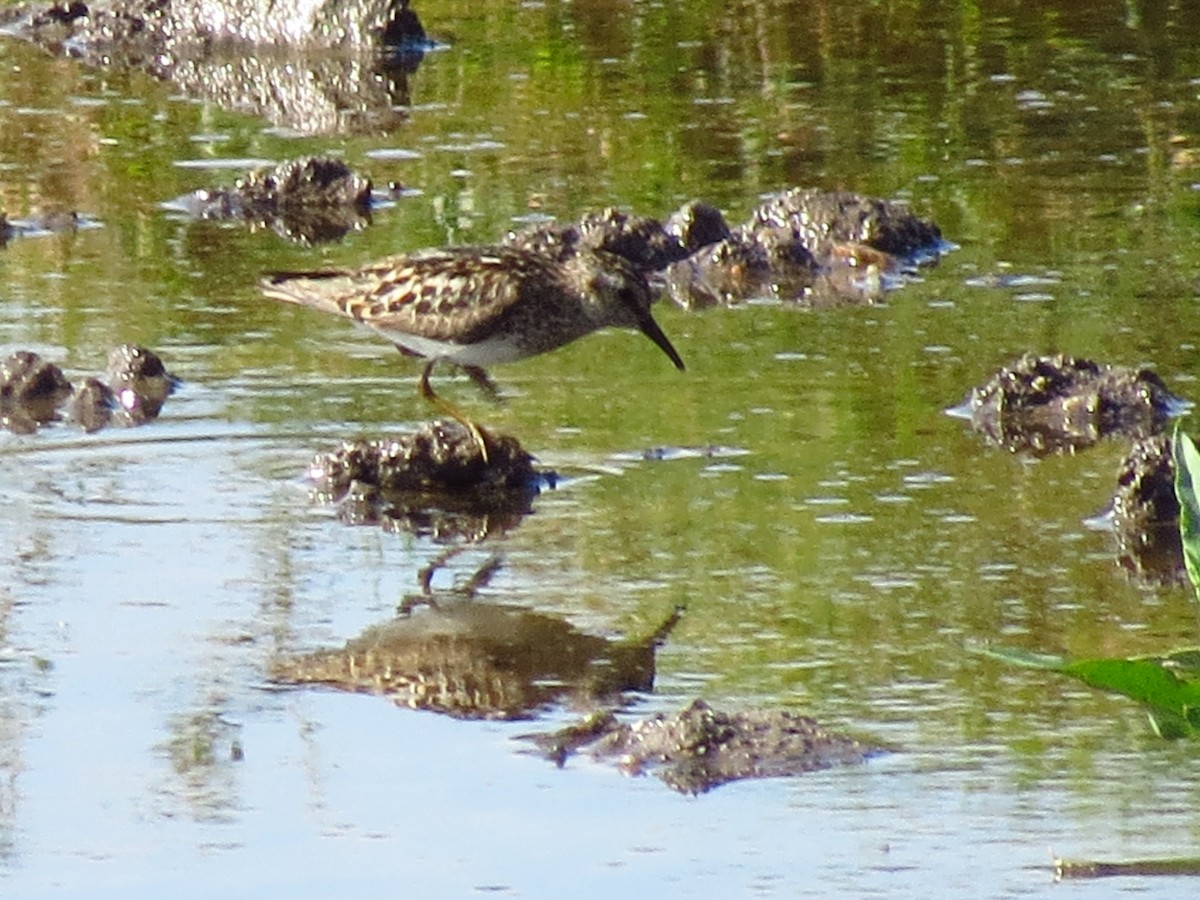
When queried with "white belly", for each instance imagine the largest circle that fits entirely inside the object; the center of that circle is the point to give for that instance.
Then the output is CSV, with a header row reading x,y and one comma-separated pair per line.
x,y
493,350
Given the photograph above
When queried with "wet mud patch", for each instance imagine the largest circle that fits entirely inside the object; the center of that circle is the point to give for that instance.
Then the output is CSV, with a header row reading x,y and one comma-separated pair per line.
x,y
700,748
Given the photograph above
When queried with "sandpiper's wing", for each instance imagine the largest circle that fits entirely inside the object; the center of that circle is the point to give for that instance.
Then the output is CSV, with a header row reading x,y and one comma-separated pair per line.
x,y
457,294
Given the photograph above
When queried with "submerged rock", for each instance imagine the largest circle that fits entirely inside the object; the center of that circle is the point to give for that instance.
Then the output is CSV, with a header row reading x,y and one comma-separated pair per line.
x,y
312,200
1051,404
700,748
470,659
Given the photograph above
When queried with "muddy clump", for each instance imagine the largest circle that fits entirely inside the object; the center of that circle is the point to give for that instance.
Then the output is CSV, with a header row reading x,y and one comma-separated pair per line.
x,y
767,263
443,517
696,225
163,26
46,222
136,387
826,219
642,241
449,654
310,200
33,392
441,456
810,247
434,482
700,748
1145,514
329,67
1054,404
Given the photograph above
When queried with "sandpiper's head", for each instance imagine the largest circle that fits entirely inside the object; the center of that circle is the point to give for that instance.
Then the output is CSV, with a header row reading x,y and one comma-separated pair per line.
x,y
620,295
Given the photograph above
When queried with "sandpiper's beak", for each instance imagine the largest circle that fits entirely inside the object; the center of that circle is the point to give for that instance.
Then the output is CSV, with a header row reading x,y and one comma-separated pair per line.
x,y
650,329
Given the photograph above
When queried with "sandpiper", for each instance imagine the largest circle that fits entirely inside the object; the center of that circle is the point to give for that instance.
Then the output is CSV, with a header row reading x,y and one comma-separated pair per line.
x,y
476,306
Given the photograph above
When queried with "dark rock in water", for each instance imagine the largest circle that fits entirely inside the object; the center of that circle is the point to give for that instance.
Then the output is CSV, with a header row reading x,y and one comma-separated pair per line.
x,y
313,200
1145,514
1059,403
447,653
700,748
823,218
642,241
31,392
434,482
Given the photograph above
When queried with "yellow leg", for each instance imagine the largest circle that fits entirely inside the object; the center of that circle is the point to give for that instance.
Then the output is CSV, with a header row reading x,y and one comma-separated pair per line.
x,y
427,392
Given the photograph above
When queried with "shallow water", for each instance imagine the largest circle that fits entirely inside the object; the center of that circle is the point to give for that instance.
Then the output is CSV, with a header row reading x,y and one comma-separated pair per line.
x,y
836,561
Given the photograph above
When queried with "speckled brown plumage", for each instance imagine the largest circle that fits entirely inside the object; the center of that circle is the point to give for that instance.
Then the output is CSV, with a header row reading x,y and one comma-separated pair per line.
x,y
476,306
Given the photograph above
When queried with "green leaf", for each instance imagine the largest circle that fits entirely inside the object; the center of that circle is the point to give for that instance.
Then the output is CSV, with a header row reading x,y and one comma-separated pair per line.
x,y
1169,687
1149,681
1187,480
1027,659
